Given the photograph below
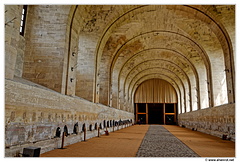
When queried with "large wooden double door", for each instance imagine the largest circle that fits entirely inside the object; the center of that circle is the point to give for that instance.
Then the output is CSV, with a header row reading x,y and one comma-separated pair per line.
x,y
156,113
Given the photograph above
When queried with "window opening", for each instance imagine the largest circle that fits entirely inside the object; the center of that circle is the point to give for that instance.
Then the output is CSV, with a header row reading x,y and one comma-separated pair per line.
x,y
23,20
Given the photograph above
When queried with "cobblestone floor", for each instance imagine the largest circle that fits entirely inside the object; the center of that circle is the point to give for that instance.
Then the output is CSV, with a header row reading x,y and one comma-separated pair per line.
x,y
159,142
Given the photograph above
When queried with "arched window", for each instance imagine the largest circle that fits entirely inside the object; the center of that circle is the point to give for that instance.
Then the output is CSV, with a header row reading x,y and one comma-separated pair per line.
x,y
108,124
58,132
66,130
95,126
104,124
90,127
75,128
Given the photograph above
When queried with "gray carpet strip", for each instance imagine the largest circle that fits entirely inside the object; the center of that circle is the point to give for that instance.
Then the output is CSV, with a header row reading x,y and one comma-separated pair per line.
x,y
159,142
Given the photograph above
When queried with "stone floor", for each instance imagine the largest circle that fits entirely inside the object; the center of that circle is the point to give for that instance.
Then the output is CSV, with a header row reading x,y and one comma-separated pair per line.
x,y
159,142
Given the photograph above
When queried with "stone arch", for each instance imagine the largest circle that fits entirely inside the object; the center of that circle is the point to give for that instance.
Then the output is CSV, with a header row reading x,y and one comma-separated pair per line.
x,y
154,66
147,72
66,130
75,128
196,74
182,55
108,125
104,123
96,126
181,95
192,65
175,65
58,132
90,127
179,90
210,98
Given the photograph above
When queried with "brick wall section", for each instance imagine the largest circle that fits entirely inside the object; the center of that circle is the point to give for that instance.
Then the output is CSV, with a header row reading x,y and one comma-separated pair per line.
x,y
215,121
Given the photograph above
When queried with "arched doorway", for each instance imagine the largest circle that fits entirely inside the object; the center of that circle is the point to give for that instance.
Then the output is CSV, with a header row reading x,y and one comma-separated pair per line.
x,y
155,102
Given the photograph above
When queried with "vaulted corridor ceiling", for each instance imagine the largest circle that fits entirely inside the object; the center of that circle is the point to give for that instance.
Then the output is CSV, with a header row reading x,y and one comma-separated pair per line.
x,y
114,48
184,45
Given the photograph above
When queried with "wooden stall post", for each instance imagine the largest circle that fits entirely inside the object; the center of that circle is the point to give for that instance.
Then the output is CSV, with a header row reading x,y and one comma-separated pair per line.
x,y
63,140
98,131
84,134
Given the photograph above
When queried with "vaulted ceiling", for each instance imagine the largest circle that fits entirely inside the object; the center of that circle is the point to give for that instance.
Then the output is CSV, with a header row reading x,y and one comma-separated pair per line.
x,y
188,46
120,46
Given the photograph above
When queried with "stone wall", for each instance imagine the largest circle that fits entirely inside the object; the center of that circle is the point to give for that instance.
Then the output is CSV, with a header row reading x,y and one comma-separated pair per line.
x,y
215,121
14,42
33,113
46,45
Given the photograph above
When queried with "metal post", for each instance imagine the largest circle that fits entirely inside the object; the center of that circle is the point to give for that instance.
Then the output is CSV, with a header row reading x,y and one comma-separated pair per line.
x,y
98,132
84,134
63,140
